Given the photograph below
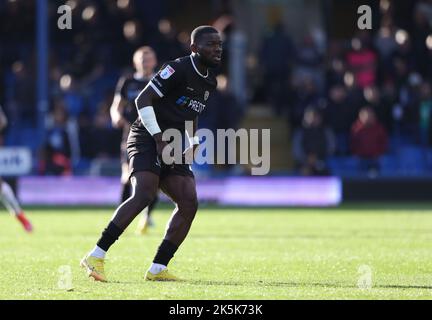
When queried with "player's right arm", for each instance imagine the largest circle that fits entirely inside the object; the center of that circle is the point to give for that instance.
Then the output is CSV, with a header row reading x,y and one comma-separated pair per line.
x,y
144,104
118,105
116,112
162,83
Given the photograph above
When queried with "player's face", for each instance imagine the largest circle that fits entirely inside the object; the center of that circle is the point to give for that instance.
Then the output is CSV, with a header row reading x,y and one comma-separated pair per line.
x,y
210,49
145,61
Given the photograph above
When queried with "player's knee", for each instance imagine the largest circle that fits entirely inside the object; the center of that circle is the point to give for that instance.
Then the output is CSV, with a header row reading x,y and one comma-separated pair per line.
x,y
189,204
141,201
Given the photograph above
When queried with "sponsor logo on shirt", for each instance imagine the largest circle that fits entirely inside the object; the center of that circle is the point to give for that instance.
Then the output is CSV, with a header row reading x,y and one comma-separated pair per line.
x,y
196,106
192,104
167,72
182,101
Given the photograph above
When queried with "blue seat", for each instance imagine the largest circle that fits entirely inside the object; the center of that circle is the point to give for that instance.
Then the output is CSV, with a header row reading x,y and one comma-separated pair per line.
x,y
412,161
389,165
82,167
344,166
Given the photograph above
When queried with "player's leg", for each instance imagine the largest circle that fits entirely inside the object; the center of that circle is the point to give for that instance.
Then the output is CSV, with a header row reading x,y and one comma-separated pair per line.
x,y
126,188
8,198
125,191
182,190
151,208
144,189
146,220
145,186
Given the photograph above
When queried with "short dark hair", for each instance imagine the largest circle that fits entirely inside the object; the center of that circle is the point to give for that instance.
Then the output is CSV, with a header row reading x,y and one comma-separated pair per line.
x,y
198,32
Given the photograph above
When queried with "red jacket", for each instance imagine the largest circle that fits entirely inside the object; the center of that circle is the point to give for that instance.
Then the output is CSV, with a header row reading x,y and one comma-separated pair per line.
x,y
368,141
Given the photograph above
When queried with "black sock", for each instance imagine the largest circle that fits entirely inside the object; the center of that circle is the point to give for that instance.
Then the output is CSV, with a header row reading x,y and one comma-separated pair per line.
x,y
165,253
126,191
109,236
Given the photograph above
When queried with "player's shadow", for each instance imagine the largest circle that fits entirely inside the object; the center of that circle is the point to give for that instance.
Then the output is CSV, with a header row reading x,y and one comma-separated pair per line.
x,y
355,235
282,284
298,284
396,286
260,283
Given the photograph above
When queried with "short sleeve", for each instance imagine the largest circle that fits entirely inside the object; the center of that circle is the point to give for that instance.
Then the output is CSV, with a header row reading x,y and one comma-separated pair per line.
x,y
167,78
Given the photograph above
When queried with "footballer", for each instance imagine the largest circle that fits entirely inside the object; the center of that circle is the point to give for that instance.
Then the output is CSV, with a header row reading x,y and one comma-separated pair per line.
x,y
169,99
7,196
124,112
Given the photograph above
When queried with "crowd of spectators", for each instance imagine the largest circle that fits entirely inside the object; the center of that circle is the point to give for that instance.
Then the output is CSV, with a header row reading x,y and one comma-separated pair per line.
x,y
360,97
373,91
85,63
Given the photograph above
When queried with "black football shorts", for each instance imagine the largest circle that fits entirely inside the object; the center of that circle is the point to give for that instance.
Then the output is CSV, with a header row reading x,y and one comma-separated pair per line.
x,y
143,156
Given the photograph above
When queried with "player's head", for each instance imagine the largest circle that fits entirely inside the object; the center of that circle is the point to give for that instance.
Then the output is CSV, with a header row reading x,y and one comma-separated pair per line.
x,y
206,43
144,60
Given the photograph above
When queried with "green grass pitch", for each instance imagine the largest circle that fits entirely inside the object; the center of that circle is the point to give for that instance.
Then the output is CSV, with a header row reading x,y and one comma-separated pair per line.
x,y
246,253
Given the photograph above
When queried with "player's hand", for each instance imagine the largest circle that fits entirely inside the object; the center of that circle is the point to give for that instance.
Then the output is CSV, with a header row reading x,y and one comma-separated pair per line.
x,y
164,150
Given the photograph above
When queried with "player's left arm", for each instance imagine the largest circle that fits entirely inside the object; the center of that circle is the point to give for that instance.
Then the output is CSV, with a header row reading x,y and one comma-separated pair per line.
x,y
191,133
193,142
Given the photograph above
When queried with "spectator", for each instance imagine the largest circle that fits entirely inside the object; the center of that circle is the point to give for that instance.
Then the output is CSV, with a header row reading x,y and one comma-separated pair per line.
x,y
425,113
402,62
422,29
309,60
73,97
56,153
105,139
385,42
335,65
222,112
368,139
168,45
312,144
340,114
277,52
21,99
362,62
385,39
306,93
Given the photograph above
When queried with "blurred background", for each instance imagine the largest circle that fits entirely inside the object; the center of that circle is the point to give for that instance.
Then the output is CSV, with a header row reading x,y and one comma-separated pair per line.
x,y
349,110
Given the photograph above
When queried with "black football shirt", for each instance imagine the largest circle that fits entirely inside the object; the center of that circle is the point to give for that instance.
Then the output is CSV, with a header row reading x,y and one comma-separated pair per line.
x,y
184,94
129,87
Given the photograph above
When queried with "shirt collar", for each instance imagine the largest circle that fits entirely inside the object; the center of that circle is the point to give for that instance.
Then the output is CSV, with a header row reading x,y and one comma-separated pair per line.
x,y
196,69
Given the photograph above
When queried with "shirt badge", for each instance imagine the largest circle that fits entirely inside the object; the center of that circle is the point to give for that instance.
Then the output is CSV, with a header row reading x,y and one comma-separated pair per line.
x,y
167,72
